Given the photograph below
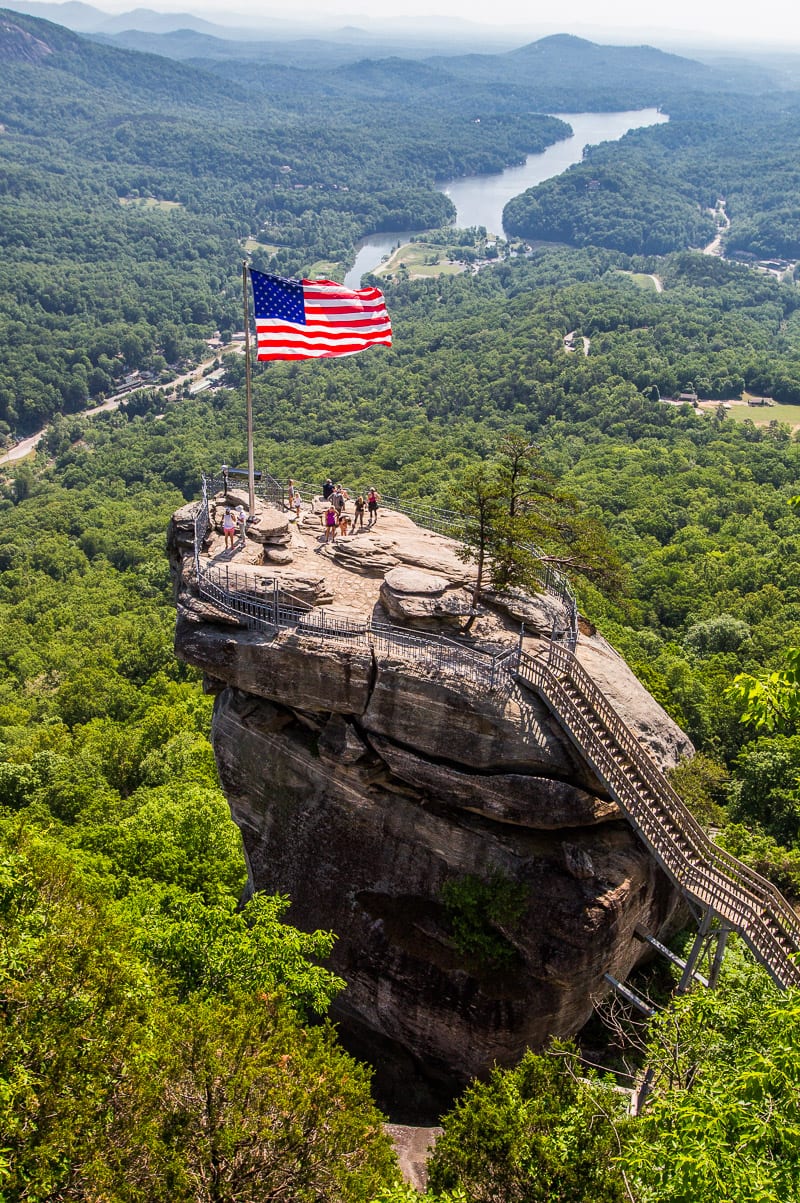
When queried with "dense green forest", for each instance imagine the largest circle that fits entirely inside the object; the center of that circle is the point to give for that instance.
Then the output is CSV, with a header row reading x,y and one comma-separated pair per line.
x,y
93,285
129,182
110,794
652,192
158,1042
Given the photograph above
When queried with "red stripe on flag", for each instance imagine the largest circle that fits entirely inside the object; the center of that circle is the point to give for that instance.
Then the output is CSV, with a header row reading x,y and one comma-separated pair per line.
x,y
338,322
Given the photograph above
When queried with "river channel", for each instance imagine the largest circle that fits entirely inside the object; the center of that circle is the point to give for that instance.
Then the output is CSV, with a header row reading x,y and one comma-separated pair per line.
x,y
480,199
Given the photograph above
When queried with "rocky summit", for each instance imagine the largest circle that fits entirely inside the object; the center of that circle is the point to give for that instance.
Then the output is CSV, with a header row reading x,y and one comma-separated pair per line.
x,y
478,877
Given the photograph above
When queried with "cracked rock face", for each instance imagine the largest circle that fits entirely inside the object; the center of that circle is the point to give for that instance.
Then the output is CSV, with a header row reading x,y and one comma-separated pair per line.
x,y
415,597
365,784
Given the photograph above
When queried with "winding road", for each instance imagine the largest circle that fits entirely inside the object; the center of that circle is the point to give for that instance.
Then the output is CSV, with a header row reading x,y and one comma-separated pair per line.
x,y
723,221
26,446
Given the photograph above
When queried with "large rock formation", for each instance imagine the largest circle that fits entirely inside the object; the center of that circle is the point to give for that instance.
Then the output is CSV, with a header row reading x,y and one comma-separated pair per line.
x,y
366,782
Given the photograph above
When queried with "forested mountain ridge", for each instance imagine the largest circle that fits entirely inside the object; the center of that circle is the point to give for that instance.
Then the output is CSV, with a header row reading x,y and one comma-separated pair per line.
x,y
104,69
127,172
17,45
654,190
107,780
208,167
566,72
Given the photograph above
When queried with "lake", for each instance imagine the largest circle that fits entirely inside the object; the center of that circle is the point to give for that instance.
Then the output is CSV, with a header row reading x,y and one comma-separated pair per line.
x,y
480,199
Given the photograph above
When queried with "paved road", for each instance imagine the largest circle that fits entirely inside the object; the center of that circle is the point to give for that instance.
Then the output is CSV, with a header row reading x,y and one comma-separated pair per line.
x,y
26,446
715,246
22,449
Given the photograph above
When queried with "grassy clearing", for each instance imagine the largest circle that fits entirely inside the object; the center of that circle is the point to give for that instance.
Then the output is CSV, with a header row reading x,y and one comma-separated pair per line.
x,y
412,256
150,202
759,415
640,280
326,269
763,415
252,244
643,281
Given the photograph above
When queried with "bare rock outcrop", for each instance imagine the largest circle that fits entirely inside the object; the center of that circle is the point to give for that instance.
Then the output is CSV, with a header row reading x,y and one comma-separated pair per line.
x,y
367,778
17,45
414,596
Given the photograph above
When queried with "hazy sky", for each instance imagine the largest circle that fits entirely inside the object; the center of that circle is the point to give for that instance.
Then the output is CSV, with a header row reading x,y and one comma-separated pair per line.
x,y
767,21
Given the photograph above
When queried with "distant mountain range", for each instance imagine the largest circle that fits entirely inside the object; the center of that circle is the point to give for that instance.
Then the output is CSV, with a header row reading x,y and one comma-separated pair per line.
x,y
329,41
548,75
384,36
380,36
85,18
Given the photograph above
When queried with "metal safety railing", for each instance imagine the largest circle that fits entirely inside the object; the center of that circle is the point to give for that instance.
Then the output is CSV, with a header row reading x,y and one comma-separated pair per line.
x,y
261,603
441,521
704,873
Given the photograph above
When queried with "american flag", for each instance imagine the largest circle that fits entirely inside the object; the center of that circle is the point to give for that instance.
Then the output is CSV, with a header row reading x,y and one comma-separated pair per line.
x,y
309,319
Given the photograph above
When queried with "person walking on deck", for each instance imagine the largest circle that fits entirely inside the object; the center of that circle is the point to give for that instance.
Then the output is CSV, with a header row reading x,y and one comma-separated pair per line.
x,y
295,500
241,523
229,527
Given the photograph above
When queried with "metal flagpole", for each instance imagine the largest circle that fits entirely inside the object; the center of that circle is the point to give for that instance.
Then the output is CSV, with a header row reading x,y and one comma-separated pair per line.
x,y
251,472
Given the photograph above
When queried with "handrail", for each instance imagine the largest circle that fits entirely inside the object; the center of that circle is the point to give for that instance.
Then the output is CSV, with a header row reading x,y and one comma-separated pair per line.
x,y
657,782
440,521
702,872
246,598
255,600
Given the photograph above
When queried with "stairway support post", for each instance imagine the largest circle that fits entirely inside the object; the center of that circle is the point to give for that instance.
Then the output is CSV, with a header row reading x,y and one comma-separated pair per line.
x,y
716,965
694,955
639,1096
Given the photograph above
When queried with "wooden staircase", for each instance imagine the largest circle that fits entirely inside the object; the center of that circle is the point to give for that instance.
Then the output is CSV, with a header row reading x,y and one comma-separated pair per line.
x,y
707,876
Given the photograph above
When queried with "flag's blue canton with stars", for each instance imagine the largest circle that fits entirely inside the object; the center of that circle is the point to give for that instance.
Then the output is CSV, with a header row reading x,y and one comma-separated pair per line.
x,y
309,319
274,297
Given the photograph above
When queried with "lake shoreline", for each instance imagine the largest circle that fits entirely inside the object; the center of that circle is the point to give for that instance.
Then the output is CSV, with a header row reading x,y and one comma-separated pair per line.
x,y
480,199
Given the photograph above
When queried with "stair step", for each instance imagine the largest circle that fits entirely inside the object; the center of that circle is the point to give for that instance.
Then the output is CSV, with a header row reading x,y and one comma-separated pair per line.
x,y
650,808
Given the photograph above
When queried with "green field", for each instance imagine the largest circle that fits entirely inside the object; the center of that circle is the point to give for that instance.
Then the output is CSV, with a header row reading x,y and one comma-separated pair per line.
x,y
326,269
150,202
413,257
640,279
252,244
763,415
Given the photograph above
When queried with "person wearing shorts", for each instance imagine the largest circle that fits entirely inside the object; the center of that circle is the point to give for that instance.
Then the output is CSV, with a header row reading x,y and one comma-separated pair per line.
x,y
372,506
229,527
331,522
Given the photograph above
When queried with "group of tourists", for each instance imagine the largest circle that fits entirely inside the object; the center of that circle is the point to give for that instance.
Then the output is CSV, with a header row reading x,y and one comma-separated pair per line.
x,y
337,520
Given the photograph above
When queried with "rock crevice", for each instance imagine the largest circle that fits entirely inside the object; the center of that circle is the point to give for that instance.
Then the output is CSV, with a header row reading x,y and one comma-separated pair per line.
x,y
365,784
